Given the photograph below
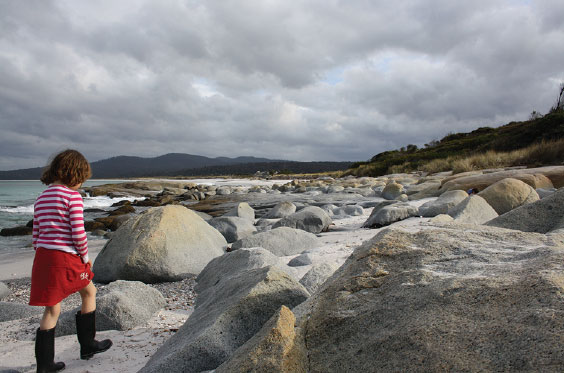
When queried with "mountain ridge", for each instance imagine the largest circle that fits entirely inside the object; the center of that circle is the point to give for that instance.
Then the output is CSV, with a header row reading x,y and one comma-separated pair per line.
x,y
176,164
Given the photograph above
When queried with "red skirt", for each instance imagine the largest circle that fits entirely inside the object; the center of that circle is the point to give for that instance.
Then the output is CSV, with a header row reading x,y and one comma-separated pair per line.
x,y
56,275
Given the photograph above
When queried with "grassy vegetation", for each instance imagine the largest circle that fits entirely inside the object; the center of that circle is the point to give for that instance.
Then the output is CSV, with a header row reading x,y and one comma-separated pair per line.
x,y
543,153
538,141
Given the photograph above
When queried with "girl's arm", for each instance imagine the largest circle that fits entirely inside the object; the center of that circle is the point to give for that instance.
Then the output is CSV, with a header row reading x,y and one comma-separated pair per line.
x,y
76,217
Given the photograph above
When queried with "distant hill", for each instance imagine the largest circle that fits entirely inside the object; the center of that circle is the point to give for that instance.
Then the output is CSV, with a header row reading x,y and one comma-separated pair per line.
x,y
512,136
127,166
168,164
178,164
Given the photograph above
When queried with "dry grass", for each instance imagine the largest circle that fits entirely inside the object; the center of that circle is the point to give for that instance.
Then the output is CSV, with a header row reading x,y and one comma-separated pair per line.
x,y
398,168
540,154
437,165
544,153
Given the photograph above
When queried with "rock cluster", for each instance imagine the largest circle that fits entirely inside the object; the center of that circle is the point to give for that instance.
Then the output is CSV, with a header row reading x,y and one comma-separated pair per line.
x,y
477,289
280,241
310,219
226,316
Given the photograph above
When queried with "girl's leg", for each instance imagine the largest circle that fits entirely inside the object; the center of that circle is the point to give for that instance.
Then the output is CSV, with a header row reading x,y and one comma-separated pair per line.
x,y
86,325
50,317
45,341
88,295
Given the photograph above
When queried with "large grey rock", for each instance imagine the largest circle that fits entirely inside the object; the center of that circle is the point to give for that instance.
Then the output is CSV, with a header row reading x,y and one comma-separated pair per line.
x,y
310,219
365,192
376,204
242,210
431,190
423,187
507,194
275,348
4,290
265,224
301,260
168,191
224,318
389,214
281,210
392,191
233,228
473,210
443,203
542,216
317,275
282,241
441,219
14,311
162,244
232,263
223,191
329,208
125,305
545,192
335,189
449,299
349,210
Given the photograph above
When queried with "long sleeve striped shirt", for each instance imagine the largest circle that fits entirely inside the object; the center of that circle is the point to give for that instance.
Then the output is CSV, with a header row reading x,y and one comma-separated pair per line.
x,y
58,221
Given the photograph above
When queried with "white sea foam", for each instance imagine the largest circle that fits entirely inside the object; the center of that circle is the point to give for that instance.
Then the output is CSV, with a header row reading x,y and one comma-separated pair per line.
x,y
26,210
103,201
229,182
89,202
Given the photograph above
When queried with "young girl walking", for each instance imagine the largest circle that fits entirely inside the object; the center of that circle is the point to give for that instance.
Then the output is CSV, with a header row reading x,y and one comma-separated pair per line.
x,y
61,265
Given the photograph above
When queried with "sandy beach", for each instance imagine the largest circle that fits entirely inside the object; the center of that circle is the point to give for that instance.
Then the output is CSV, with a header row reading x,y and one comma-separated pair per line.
x,y
336,243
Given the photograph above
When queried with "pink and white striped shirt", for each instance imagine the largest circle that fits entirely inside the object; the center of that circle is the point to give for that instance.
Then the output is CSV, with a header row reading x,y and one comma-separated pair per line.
x,y
58,221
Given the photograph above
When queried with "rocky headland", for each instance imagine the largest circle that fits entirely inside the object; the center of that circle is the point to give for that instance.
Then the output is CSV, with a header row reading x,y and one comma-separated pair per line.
x,y
404,272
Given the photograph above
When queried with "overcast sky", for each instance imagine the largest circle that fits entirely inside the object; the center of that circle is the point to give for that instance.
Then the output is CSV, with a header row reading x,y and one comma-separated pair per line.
x,y
300,80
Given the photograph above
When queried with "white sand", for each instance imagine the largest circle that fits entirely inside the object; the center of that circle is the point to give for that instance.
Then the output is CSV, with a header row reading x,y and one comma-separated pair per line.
x,y
132,349
130,352
18,265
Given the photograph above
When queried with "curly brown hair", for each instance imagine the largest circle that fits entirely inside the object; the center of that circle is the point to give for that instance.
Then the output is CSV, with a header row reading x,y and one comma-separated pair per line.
x,y
69,167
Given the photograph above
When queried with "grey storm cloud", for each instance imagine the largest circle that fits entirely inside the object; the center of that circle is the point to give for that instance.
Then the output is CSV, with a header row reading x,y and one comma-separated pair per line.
x,y
300,80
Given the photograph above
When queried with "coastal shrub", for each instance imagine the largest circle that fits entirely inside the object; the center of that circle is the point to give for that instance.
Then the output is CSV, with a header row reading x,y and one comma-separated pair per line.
x,y
456,147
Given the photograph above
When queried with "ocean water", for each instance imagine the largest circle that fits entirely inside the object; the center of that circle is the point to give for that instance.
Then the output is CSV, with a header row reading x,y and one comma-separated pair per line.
x,y
17,199
16,208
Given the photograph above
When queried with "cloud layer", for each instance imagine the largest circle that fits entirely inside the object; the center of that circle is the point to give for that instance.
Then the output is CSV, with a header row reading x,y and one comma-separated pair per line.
x,y
300,80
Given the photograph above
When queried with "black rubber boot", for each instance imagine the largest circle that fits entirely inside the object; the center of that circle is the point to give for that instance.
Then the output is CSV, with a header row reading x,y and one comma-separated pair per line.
x,y
45,352
86,331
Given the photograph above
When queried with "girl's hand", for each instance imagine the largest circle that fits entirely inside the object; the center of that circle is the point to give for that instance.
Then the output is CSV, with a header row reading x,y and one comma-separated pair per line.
x,y
90,263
